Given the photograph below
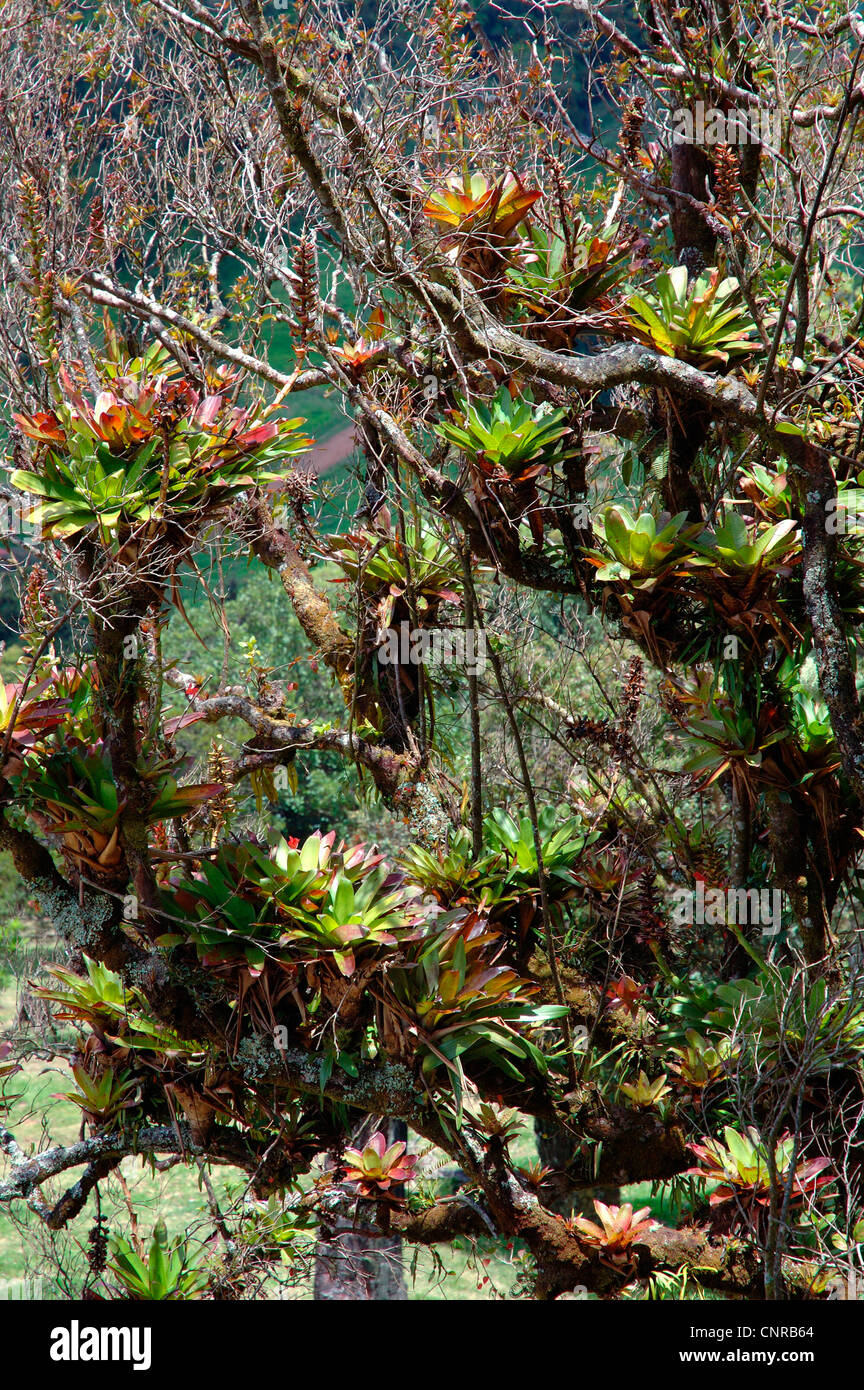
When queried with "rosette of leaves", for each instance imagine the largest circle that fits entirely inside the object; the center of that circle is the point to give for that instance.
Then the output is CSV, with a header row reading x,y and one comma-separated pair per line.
x,y
494,1121
702,322
619,1227
511,434
75,686
453,875
740,1168
508,444
810,724
701,1061
645,549
688,1008
357,355
98,998
118,1015
75,797
735,576
102,1098
374,1169
473,204
478,218
504,883
299,903
563,840
424,565
614,895
352,919
741,550
146,450
769,491
645,1094
606,875
727,742
468,1007
170,1271
557,278
790,1023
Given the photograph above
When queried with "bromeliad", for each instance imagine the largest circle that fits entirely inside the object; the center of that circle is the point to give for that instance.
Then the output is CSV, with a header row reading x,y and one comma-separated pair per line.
x,y
619,1228
703,323
375,1168
741,1168
146,450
